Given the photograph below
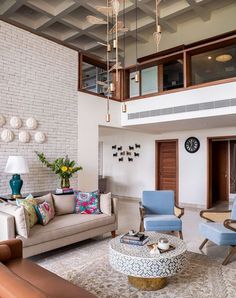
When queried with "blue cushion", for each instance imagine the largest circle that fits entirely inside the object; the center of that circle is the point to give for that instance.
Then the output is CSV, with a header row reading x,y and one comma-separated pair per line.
x,y
162,223
158,202
217,233
233,213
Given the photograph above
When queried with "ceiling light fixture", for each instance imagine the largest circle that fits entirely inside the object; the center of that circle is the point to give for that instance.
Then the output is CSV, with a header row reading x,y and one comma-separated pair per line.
x,y
224,58
136,42
108,116
209,57
124,106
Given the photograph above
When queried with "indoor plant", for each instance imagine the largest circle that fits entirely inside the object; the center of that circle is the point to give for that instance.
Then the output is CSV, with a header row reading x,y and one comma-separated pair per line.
x,y
63,167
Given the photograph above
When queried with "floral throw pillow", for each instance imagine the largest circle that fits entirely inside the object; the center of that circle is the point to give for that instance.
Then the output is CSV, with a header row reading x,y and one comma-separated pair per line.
x,y
28,203
86,202
45,213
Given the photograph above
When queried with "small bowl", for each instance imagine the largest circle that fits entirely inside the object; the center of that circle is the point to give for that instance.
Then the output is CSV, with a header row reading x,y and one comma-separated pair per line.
x,y
163,243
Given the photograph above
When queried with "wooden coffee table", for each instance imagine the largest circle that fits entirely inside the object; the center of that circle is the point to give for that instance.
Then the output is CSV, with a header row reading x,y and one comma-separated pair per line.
x,y
146,271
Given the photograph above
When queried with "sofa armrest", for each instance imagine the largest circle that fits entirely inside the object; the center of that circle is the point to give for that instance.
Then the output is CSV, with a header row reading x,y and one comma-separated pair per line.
x,y
179,212
7,226
215,216
230,224
15,246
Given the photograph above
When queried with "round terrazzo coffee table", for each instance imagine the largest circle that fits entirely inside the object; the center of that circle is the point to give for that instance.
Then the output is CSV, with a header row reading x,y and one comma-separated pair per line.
x,y
146,271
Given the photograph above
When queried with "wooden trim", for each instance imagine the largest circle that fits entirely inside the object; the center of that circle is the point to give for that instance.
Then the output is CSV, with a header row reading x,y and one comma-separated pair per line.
x,y
157,158
187,70
228,222
208,84
212,211
209,165
97,94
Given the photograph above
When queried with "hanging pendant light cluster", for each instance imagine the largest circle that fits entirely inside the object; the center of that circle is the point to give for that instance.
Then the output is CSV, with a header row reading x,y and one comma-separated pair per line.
x,y
136,78
157,33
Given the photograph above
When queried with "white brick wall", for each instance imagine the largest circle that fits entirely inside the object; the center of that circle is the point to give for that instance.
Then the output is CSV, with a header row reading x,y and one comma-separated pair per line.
x,y
38,78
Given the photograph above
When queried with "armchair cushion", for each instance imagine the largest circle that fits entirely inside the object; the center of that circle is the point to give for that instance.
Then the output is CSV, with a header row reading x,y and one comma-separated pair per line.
x,y
162,223
217,233
233,212
158,202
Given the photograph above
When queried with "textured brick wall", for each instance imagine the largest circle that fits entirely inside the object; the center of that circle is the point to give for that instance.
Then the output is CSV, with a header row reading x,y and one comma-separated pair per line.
x,y
38,78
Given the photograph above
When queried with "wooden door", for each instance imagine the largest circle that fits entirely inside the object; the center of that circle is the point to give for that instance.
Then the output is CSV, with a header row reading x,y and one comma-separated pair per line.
x,y
167,166
220,182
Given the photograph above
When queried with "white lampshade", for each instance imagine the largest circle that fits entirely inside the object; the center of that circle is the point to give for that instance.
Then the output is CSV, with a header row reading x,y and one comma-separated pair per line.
x,y
16,165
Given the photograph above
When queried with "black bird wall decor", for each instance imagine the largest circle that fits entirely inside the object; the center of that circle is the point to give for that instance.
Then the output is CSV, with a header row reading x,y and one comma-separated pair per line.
x,y
113,147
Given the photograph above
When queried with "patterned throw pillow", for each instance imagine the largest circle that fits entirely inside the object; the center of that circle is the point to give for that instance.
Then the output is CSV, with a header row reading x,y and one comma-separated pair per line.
x,y
86,202
45,212
28,203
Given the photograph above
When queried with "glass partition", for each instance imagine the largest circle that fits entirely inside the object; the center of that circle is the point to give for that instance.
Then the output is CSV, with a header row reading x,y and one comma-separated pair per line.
x,y
173,75
149,82
213,65
133,86
94,78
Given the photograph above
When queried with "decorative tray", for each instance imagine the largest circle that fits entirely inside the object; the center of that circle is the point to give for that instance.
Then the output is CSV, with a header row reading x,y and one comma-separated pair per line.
x,y
150,246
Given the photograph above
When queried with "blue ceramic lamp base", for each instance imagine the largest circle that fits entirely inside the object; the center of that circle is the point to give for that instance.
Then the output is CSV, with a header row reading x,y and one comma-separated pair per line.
x,y
16,184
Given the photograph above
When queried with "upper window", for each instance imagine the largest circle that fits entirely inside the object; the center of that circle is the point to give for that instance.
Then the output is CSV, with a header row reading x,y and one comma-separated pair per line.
x,y
149,80
213,65
173,75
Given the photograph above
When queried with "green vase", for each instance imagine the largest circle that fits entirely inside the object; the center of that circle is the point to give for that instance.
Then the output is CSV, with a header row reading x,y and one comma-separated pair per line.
x,y
65,182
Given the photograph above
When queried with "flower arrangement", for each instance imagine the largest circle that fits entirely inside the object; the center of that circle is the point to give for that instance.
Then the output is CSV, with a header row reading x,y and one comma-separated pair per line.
x,y
63,167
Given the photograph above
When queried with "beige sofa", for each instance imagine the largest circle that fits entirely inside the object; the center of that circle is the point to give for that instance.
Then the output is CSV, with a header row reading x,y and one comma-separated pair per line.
x,y
62,230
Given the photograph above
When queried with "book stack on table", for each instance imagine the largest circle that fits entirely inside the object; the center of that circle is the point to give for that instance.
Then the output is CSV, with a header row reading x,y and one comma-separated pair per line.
x,y
134,239
63,191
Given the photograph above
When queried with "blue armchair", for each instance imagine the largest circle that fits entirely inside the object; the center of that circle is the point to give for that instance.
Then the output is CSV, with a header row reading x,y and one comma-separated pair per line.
x,y
220,229
158,212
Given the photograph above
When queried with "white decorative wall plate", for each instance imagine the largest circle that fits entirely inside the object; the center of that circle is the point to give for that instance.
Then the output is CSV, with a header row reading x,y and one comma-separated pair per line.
x,y
2,120
24,136
31,123
15,122
7,136
40,137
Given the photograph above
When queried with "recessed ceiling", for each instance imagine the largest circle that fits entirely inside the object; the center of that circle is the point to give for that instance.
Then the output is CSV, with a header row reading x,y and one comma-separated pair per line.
x,y
65,20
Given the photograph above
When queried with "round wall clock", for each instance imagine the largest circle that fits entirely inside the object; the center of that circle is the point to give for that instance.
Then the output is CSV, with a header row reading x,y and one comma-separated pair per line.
x,y
192,145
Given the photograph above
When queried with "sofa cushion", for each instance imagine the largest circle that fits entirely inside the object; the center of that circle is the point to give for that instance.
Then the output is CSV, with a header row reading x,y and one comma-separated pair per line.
x,y
12,285
162,223
66,225
53,285
44,212
47,198
28,203
105,203
21,218
87,202
64,204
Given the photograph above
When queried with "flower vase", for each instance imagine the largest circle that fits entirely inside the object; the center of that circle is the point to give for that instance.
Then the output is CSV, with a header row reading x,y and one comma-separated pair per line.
x,y
65,182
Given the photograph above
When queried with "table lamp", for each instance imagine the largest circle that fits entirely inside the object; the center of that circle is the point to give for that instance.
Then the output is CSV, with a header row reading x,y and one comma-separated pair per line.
x,y
16,165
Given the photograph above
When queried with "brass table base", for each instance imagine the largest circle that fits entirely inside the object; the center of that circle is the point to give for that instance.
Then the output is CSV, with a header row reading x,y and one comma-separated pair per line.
x,y
147,284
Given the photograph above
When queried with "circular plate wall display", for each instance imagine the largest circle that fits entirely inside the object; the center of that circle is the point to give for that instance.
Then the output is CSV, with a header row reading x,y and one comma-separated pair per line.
x,y
24,136
40,137
31,123
192,144
7,136
2,120
15,122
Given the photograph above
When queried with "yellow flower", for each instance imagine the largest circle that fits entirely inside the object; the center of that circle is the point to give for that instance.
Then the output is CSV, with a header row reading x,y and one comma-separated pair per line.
x,y
70,169
64,168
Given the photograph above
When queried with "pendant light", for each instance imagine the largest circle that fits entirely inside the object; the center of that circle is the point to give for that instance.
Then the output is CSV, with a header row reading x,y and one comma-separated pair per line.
x,y
136,44
108,116
124,106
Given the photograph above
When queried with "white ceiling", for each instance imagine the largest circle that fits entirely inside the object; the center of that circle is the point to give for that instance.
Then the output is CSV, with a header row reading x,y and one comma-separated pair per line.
x,y
65,20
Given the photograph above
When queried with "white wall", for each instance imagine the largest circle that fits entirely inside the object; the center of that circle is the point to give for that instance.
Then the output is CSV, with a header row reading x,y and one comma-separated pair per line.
x,y
38,78
129,178
126,179
91,114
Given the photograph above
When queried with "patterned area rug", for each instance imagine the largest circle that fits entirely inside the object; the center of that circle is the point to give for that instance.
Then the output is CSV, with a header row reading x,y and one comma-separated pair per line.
x,y
86,264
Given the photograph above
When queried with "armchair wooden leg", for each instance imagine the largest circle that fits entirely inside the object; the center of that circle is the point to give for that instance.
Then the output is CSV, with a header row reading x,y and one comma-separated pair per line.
x,y
181,235
113,234
203,243
229,256
141,227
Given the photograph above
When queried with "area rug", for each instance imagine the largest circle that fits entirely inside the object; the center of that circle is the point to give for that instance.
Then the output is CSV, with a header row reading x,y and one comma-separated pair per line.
x,y
86,264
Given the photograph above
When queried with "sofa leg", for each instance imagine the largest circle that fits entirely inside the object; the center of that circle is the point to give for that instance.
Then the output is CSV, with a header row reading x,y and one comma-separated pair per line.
x,y
181,235
229,256
203,243
113,234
